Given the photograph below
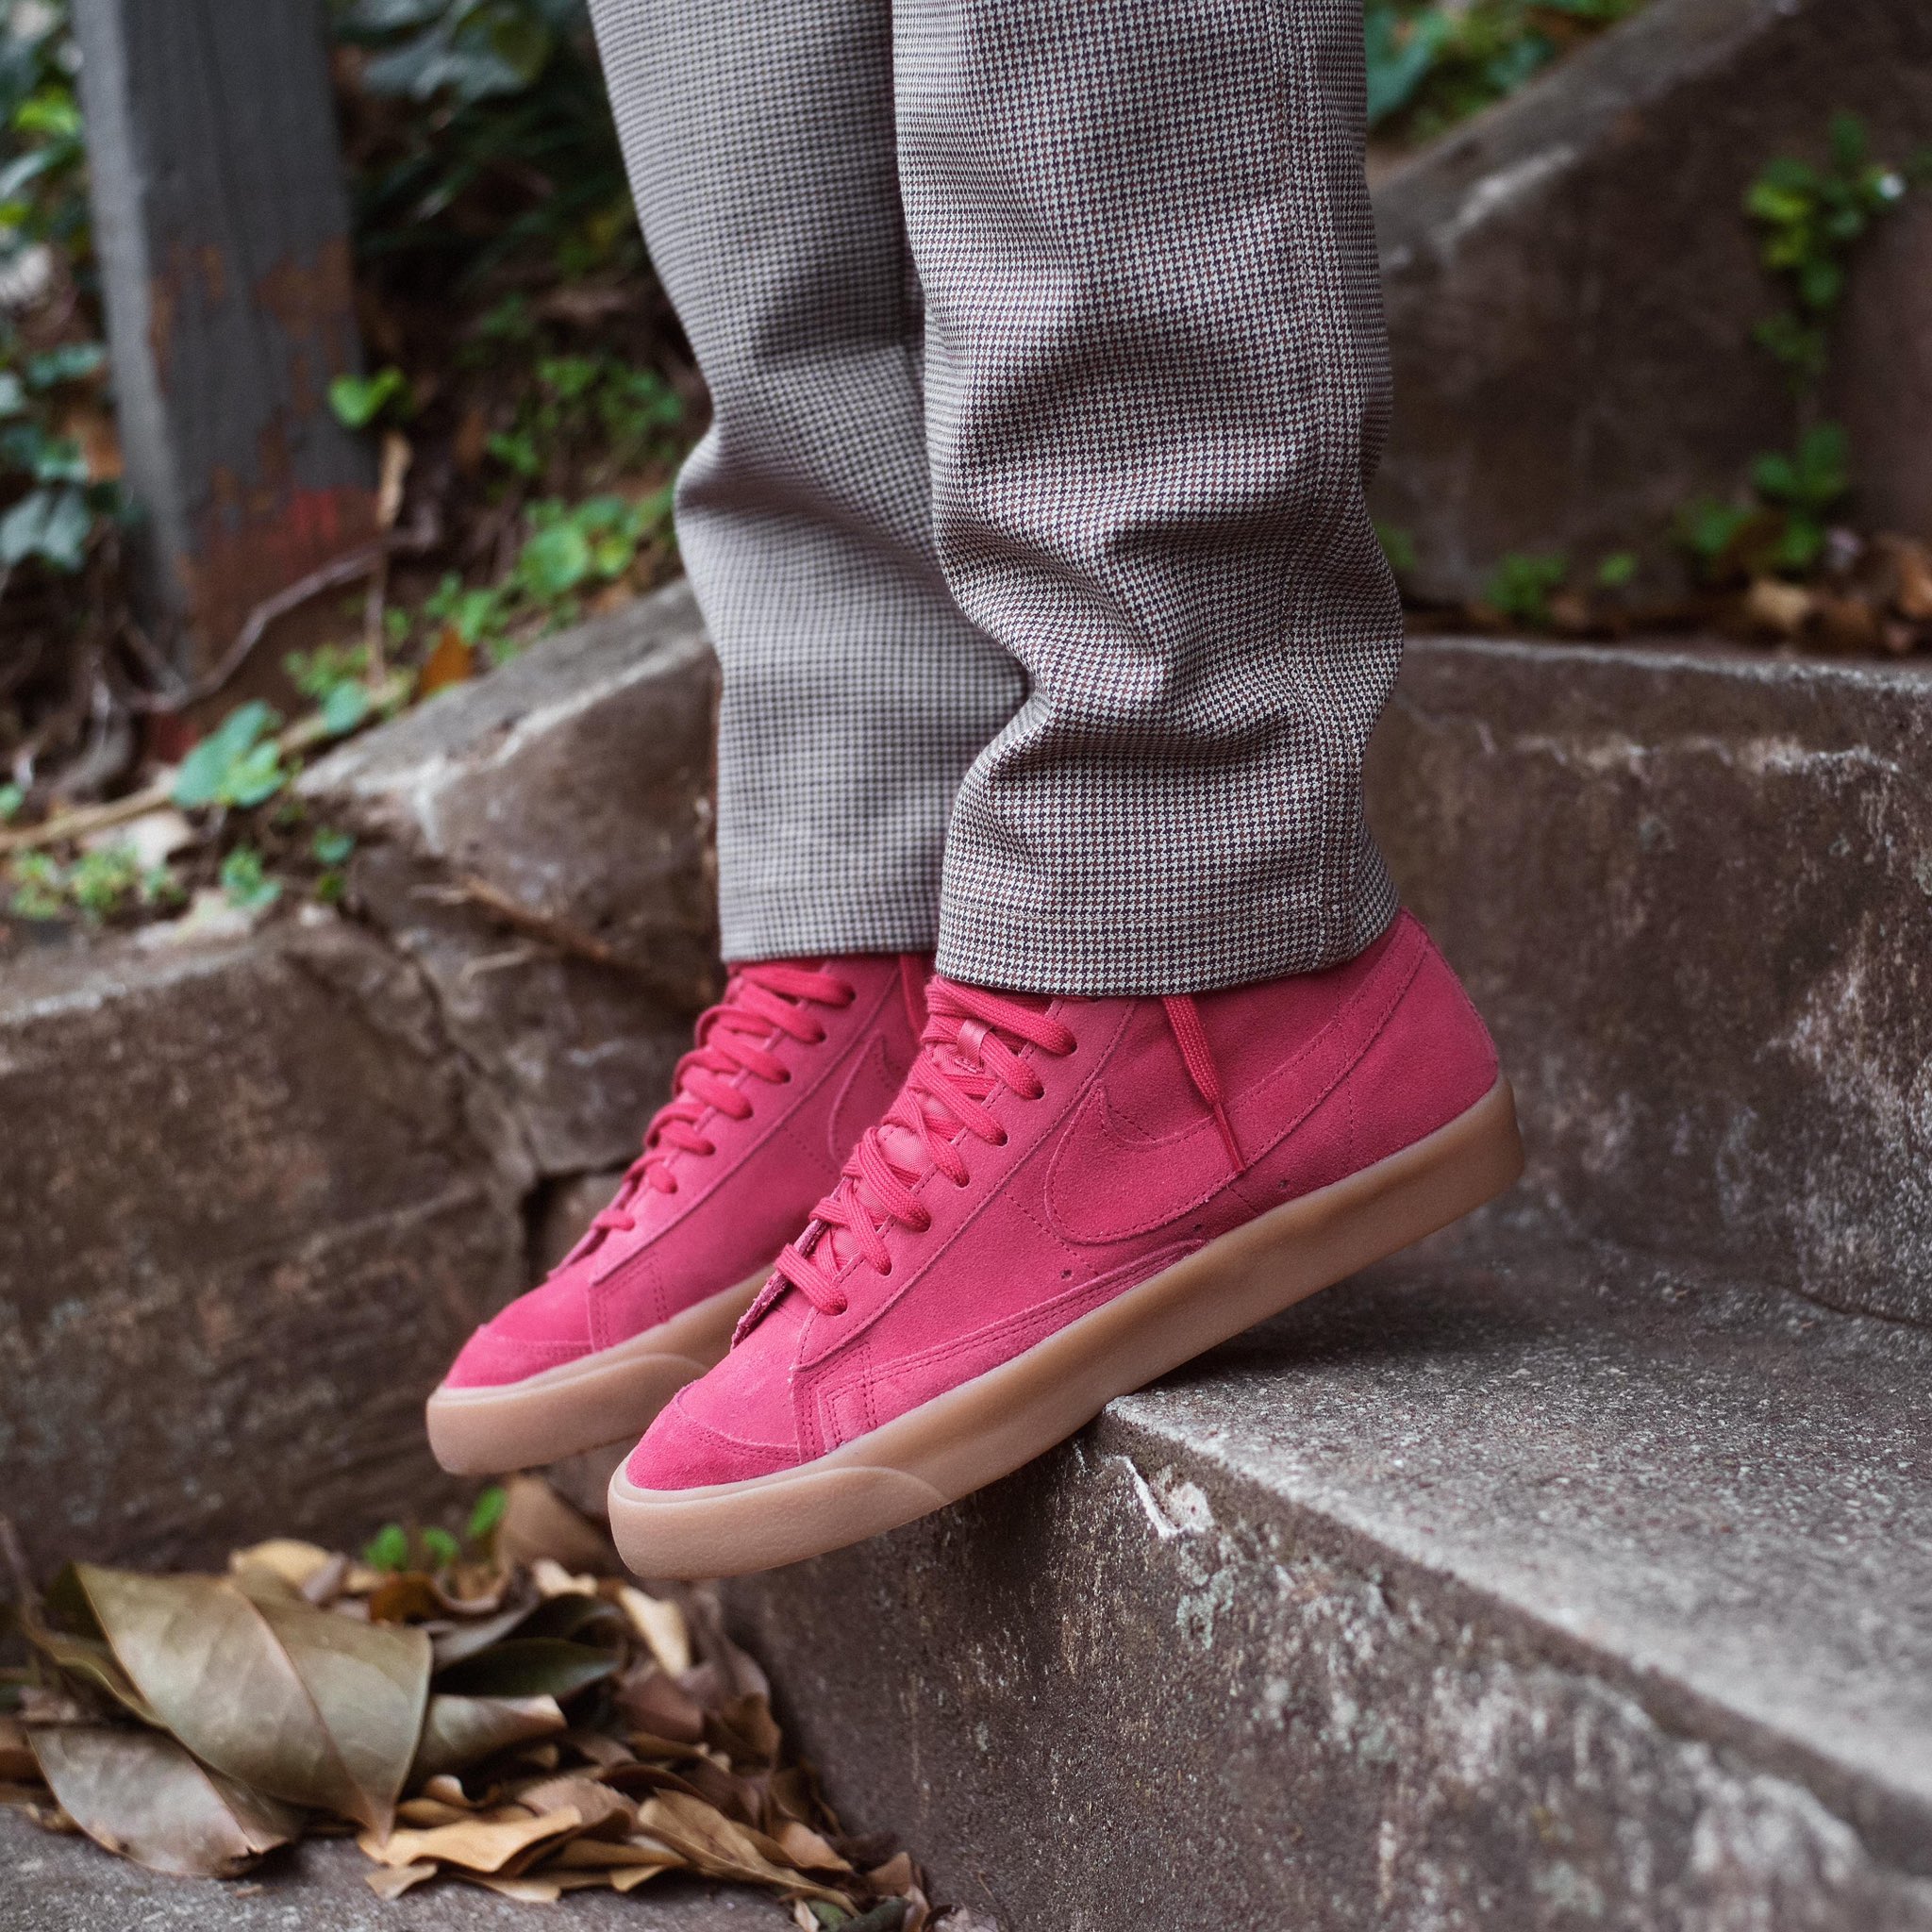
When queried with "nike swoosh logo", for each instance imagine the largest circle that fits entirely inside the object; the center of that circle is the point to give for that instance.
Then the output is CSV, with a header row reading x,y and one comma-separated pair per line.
x,y
1108,1180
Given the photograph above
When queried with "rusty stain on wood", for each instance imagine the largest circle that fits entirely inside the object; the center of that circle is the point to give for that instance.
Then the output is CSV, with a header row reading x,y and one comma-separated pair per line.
x,y
230,295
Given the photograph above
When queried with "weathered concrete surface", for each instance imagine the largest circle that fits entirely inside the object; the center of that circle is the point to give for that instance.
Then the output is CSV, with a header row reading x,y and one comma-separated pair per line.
x,y
1887,326
1692,895
574,785
249,1204
1571,282
1536,1595
56,1884
254,1194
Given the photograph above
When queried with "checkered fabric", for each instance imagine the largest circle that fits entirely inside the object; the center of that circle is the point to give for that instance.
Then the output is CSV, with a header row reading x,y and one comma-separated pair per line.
x,y
1046,352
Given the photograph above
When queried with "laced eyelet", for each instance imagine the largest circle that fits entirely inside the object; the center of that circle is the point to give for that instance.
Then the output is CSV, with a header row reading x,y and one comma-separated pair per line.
x,y
1004,1138
884,1270
839,1307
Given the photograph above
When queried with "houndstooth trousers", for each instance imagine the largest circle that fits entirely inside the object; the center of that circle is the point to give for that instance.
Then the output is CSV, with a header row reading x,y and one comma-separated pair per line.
x,y
1045,348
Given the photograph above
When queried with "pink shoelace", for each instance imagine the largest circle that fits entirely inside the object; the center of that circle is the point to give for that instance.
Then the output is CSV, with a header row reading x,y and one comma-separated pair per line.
x,y
761,1003
971,1049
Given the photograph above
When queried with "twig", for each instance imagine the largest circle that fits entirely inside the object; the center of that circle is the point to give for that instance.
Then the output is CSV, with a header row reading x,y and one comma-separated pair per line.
x,y
88,819
331,576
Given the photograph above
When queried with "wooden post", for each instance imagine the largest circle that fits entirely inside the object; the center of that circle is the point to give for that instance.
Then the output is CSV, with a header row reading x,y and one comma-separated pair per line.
x,y
222,230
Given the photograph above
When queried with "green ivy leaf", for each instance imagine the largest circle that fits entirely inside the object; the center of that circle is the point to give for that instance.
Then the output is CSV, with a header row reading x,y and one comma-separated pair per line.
x,y
439,1547
487,1512
389,1549
229,762
51,525
244,880
555,562
359,400
344,709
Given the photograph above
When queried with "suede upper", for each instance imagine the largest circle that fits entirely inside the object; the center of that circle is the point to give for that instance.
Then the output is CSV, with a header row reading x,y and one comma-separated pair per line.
x,y
727,1192
1152,1134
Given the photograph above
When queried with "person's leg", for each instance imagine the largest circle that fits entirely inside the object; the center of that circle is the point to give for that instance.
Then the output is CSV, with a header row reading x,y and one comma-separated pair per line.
x,y
1156,385
760,136
1184,1064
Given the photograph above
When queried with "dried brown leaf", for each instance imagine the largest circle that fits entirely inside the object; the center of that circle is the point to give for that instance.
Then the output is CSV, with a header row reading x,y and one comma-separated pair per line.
x,y
451,1647
606,1813
1778,608
627,1878
410,1598
17,1759
661,1625
303,1704
719,1847
805,1848
1911,562
139,1793
423,1812
588,1853
553,1579
658,1705
484,1842
459,1732
537,1521
297,1564
392,1881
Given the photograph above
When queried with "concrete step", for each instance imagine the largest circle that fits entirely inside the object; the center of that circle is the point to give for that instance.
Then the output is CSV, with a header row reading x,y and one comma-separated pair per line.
x,y
1538,1591
1571,283
1572,1575
257,1187
1691,891
60,1884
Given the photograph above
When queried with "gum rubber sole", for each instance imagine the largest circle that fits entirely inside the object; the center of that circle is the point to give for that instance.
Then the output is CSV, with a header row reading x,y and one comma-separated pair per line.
x,y
613,1396
988,1427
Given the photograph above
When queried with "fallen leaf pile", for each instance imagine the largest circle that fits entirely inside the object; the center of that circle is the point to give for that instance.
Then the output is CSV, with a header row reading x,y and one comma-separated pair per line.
x,y
1874,599
521,1718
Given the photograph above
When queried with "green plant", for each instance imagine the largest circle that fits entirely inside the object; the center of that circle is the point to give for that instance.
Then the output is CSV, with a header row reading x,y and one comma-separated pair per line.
x,y
487,1513
245,881
389,1548
486,144
359,401
334,677
593,409
1617,570
572,549
1432,62
1521,585
394,1549
331,850
56,508
101,883
43,179
1806,486
52,506
39,888
1398,546
239,763
1811,218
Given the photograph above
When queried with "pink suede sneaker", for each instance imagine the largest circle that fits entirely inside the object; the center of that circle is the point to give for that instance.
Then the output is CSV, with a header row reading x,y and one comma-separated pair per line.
x,y
788,1070
1069,1198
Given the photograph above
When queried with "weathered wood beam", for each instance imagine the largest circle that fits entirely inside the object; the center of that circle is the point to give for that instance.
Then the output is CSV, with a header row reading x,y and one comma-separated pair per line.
x,y
224,236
